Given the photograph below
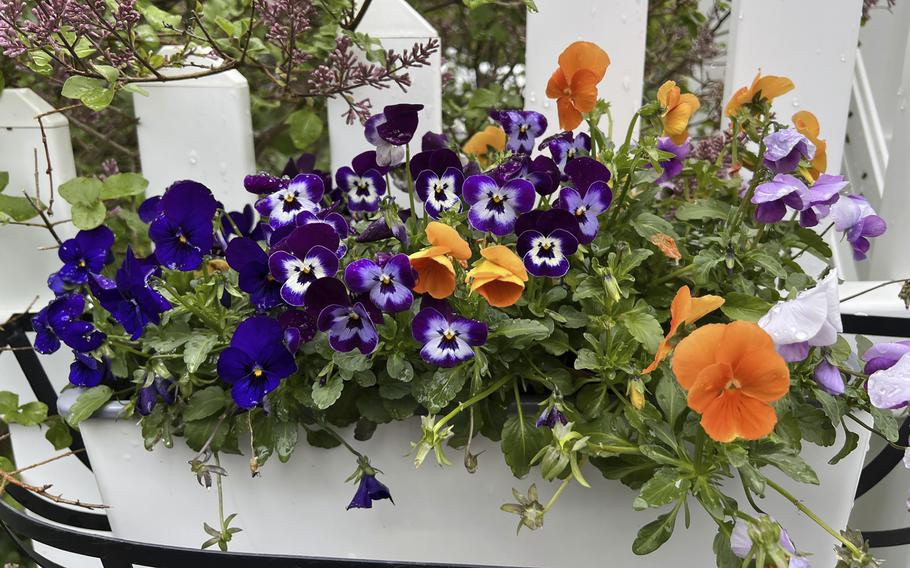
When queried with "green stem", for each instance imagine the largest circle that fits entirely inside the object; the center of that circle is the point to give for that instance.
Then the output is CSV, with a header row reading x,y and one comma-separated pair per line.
x,y
407,173
331,432
471,401
753,183
631,129
675,274
609,123
559,490
805,248
874,431
809,513
876,287
230,220
220,499
209,321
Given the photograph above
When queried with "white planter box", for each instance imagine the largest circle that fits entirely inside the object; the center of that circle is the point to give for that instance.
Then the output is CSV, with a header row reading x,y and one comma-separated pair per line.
x,y
440,514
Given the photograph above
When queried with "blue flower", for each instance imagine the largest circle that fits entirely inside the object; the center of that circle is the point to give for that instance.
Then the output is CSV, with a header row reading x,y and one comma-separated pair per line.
x,y
546,240
448,339
130,299
363,182
303,193
256,361
165,389
438,178
245,221
522,128
150,209
369,490
252,264
495,208
586,209
183,232
87,372
59,321
564,147
85,254
390,130
350,325
550,416
306,255
388,284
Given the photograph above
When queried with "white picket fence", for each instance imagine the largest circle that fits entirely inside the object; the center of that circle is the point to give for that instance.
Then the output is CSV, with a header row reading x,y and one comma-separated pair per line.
x,y
201,128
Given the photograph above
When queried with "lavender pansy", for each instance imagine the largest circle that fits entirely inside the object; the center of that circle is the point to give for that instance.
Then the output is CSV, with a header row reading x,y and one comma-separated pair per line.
x,y
673,166
546,240
494,208
438,180
254,277
522,127
303,193
389,130
812,319
586,209
370,489
349,325
564,147
785,148
824,193
88,372
775,196
884,355
388,284
85,254
890,387
829,378
59,321
447,338
855,217
183,232
363,182
149,395
306,255
256,361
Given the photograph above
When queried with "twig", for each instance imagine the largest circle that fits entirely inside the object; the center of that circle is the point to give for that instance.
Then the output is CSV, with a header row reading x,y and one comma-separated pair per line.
x,y
876,287
43,491
47,223
47,152
47,461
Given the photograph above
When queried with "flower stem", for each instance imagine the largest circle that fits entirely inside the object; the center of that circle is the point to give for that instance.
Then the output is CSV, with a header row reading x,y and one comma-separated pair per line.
x,y
876,287
808,512
675,274
559,490
407,173
331,432
471,401
209,321
800,252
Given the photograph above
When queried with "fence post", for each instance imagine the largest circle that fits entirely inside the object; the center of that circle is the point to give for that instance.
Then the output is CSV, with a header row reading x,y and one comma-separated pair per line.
x,y
618,26
27,268
199,129
397,26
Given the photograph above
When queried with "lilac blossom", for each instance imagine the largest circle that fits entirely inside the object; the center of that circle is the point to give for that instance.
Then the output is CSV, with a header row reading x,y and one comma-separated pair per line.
x,y
363,182
256,361
889,374
448,339
85,254
495,208
855,217
522,127
812,319
546,240
391,129
388,284
775,196
824,193
785,148
438,179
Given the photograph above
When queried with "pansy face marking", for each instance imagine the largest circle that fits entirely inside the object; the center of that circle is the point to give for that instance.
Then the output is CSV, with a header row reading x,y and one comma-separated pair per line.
x,y
494,208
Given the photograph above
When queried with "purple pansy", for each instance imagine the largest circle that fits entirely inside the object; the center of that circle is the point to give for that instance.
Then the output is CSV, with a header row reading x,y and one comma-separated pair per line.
x,y
306,164
306,255
303,193
587,172
812,319
521,126
163,389
59,321
299,327
369,490
775,196
883,356
379,229
363,182
349,324
672,167
550,417
130,299
546,240
56,284
822,195
88,372
256,361
889,374
495,208
785,148
544,174
332,219
183,232
252,265
245,222
438,180
390,130
855,217
448,339
150,209
388,284
264,183
587,208
829,378
85,254
564,147
433,141
512,167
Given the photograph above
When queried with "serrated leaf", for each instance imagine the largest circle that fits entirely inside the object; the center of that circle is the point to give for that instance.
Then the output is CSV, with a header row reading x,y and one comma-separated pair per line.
x,y
521,440
204,403
744,307
436,391
197,349
665,487
644,328
88,402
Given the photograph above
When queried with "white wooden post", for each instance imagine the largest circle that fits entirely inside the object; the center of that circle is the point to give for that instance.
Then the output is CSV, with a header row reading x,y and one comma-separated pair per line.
x,y
199,129
398,26
617,26
25,268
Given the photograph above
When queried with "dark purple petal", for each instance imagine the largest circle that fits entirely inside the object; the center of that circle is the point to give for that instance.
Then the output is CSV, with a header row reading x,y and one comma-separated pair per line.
x,y
86,371
325,292
362,275
433,141
544,174
263,183
584,171
770,212
366,161
150,209
400,123
478,187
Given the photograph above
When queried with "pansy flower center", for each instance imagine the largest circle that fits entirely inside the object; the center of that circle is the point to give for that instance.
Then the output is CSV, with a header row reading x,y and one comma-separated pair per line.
x,y
571,153
498,198
289,198
523,128
182,239
385,279
732,384
81,264
449,334
580,212
353,315
257,371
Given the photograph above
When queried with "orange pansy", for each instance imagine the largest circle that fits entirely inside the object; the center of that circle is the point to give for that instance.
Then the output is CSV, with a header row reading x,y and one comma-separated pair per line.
x,y
479,144
807,125
666,245
574,84
500,277
435,271
732,373
678,109
770,87
684,309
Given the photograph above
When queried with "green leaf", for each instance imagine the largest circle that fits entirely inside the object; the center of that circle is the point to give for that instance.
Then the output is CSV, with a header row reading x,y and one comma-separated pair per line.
x,y
88,402
352,361
81,191
399,368
436,391
58,433
109,73
671,398
204,403
285,439
702,209
648,224
521,440
652,536
815,242
4,180
789,462
29,414
768,263
305,128
587,360
87,217
744,307
851,441
16,209
325,395
197,349
9,402
665,487
644,328
523,331
118,186
885,422
96,94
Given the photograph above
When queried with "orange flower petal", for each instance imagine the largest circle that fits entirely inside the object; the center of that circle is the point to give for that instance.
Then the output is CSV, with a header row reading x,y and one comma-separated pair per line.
x,y
503,256
739,98
490,137
666,245
668,94
584,55
740,338
736,415
435,276
696,352
584,91
806,124
771,86
442,235
711,383
569,117
702,306
557,85
763,374
501,294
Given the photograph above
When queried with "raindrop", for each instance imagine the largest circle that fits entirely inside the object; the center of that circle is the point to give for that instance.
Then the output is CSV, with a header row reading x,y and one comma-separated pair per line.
x,y
532,97
818,51
623,18
843,58
193,157
802,335
795,102
546,104
626,83
740,16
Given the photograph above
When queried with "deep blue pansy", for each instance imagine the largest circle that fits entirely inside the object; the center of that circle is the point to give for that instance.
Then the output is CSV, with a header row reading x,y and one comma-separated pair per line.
x,y
256,361
85,254
130,299
437,179
433,141
585,172
150,209
363,182
587,208
59,321
349,325
369,490
391,129
388,285
243,221
306,255
183,232
448,339
521,126
254,277
544,174
163,389
264,183
550,417
87,372
303,193
494,208
546,240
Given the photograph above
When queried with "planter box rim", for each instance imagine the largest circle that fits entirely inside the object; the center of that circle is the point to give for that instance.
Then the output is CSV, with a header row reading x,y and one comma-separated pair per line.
x,y
112,410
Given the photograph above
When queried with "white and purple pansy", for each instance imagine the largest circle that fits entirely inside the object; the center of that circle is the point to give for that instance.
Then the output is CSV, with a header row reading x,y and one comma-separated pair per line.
x,y
855,217
303,193
889,382
546,240
775,196
448,339
585,172
363,182
494,208
438,179
391,129
785,148
306,255
349,325
812,319
522,127
822,195
564,147
387,283
586,208
327,217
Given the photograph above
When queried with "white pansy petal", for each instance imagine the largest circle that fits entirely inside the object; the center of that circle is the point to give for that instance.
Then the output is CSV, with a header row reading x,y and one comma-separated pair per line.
x,y
890,388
